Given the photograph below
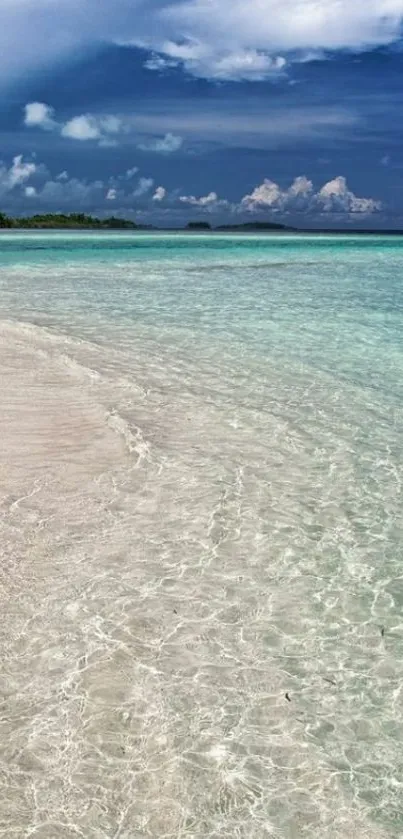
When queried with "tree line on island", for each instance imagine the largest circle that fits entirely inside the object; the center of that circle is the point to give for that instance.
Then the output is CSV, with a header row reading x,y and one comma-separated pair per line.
x,y
81,221
69,220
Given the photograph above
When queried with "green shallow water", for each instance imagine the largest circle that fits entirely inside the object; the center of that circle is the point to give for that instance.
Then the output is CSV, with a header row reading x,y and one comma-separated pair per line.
x,y
272,369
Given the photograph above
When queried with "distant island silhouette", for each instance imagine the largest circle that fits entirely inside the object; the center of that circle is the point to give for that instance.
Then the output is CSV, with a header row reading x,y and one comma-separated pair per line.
x,y
82,221
76,221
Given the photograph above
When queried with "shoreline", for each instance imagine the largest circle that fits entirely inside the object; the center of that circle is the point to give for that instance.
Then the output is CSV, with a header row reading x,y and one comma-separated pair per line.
x,y
214,231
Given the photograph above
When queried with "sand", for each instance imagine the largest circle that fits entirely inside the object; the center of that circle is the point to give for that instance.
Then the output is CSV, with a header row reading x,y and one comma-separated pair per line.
x,y
136,701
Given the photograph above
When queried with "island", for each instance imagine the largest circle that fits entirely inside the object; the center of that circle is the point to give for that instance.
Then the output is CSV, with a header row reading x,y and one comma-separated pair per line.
x,y
81,221
255,226
198,225
73,221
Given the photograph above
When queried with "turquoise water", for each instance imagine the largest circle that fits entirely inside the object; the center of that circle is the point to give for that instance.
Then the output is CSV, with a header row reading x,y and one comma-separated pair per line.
x,y
233,289
265,378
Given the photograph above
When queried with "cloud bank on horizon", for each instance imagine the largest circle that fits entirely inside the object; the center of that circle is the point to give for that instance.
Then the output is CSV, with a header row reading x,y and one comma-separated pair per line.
x,y
23,180
212,39
333,198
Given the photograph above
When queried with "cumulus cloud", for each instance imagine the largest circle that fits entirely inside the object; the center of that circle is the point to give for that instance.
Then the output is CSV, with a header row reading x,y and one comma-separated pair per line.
x,y
83,127
222,39
334,197
159,193
103,128
163,145
209,203
89,127
203,201
39,114
17,174
20,171
23,180
270,195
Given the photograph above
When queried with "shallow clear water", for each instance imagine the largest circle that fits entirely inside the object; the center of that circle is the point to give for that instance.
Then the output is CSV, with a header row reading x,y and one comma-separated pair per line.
x,y
244,543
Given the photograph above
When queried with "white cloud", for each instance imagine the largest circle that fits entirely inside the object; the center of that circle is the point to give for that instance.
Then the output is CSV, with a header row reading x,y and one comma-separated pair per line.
x,y
209,203
39,114
159,193
20,171
268,194
103,128
16,175
164,145
385,160
334,197
245,64
236,65
144,186
84,127
234,39
24,180
203,201
131,172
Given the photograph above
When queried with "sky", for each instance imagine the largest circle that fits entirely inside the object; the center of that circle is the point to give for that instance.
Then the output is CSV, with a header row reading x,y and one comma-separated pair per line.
x,y
227,111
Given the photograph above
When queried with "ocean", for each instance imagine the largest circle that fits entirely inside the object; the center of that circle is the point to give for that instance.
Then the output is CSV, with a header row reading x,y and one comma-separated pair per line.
x,y
201,577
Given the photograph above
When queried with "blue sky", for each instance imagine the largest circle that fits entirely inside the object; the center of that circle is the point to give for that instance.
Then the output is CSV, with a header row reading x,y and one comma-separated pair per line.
x,y
226,110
